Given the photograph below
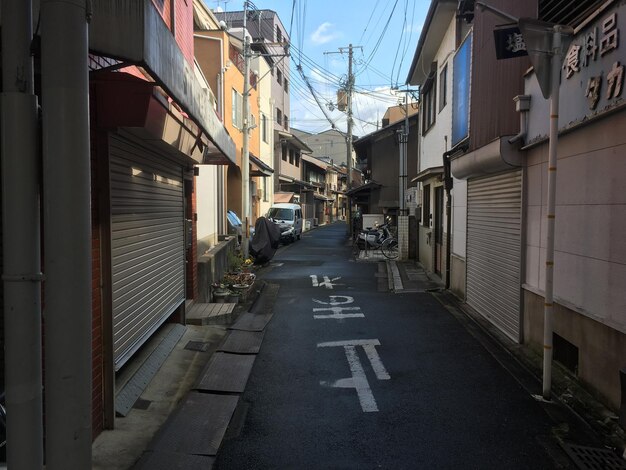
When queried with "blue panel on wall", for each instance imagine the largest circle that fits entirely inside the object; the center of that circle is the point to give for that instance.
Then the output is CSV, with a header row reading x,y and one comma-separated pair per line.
x,y
461,90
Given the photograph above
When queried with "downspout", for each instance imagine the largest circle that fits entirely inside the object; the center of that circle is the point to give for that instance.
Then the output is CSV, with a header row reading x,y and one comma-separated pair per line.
x,y
67,231
21,230
448,183
522,106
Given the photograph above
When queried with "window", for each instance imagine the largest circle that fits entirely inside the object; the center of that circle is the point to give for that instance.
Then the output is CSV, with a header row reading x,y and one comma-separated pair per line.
x,y
291,157
279,117
286,124
286,85
264,133
265,193
297,162
279,77
443,87
284,153
237,109
426,206
279,34
428,104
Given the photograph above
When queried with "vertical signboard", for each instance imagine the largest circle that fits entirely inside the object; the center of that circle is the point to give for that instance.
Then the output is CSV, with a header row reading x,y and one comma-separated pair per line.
x,y
461,91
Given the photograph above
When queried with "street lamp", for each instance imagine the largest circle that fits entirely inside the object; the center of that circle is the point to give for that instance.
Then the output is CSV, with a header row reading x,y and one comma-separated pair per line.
x,y
546,44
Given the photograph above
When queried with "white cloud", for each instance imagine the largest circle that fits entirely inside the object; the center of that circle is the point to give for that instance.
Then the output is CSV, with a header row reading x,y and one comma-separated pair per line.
x,y
324,33
413,28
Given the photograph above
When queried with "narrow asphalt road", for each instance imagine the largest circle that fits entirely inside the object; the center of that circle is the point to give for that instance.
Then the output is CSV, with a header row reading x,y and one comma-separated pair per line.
x,y
351,376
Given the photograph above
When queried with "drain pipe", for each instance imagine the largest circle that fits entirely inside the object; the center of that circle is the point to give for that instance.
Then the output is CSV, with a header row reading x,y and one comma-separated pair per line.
x,y
67,232
522,106
447,185
21,241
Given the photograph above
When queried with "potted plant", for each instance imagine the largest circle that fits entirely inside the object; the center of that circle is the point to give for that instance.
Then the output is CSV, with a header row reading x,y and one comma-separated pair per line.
x,y
233,296
220,292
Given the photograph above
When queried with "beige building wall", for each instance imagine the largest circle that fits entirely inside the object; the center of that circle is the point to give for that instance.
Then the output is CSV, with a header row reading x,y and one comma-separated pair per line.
x,y
266,139
590,249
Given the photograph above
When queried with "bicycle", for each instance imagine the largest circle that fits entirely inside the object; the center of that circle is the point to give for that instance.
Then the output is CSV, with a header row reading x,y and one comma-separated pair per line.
x,y
378,239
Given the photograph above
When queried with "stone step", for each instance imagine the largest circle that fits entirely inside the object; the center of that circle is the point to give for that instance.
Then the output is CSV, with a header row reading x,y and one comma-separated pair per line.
x,y
211,314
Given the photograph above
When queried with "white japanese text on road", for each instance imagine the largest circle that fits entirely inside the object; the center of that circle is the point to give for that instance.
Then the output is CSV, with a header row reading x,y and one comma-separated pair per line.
x,y
335,306
326,281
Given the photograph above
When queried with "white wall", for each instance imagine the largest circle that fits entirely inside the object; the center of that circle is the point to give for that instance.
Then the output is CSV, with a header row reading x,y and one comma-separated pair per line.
x,y
434,141
206,204
437,141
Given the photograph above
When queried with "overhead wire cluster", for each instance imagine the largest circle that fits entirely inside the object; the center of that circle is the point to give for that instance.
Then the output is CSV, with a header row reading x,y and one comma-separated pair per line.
x,y
315,86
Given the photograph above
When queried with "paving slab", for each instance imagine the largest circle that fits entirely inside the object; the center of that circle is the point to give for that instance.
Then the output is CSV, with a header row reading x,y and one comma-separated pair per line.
x,y
252,321
198,426
242,342
133,389
226,373
162,460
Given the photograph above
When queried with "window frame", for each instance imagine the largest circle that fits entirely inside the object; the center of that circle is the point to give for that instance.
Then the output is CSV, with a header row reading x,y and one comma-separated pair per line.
x,y
279,117
236,109
426,214
443,87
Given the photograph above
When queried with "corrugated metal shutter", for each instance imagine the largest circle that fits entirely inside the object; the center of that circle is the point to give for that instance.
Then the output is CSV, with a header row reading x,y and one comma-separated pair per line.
x,y
147,243
494,212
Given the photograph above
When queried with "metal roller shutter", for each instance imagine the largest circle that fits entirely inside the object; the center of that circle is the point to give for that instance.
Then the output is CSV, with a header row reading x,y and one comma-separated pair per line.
x,y
494,215
147,243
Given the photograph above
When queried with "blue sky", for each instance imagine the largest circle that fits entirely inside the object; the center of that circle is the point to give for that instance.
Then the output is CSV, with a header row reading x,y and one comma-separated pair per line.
x,y
387,30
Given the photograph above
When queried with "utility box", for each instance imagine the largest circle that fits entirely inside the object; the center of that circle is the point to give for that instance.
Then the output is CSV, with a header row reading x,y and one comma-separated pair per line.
x,y
370,220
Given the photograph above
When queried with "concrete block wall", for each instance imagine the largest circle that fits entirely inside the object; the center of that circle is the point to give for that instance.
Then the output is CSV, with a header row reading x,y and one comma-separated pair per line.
x,y
211,267
403,236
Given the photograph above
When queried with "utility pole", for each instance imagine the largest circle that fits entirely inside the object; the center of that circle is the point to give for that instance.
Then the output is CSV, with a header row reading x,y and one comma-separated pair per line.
x,y
350,86
245,158
21,273
67,232
349,90
403,138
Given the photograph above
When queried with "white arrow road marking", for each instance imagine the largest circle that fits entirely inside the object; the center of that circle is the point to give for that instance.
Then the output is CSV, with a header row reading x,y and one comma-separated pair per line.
x,y
358,381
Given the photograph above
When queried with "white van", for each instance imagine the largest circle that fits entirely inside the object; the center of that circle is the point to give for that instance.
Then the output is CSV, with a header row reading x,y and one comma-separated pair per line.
x,y
289,218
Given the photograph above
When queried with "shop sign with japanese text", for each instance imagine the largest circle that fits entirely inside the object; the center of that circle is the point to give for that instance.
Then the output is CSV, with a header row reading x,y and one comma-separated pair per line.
x,y
592,79
509,42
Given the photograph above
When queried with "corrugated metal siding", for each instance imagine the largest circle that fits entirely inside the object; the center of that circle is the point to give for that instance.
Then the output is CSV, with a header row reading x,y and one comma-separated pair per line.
x,y
494,211
495,82
147,243
567,12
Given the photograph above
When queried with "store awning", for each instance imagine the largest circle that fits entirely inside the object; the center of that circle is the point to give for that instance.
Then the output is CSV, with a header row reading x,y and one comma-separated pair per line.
x,y
316,162
367,187
259,168
290,139
498,155
283,197
434,172
321,197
